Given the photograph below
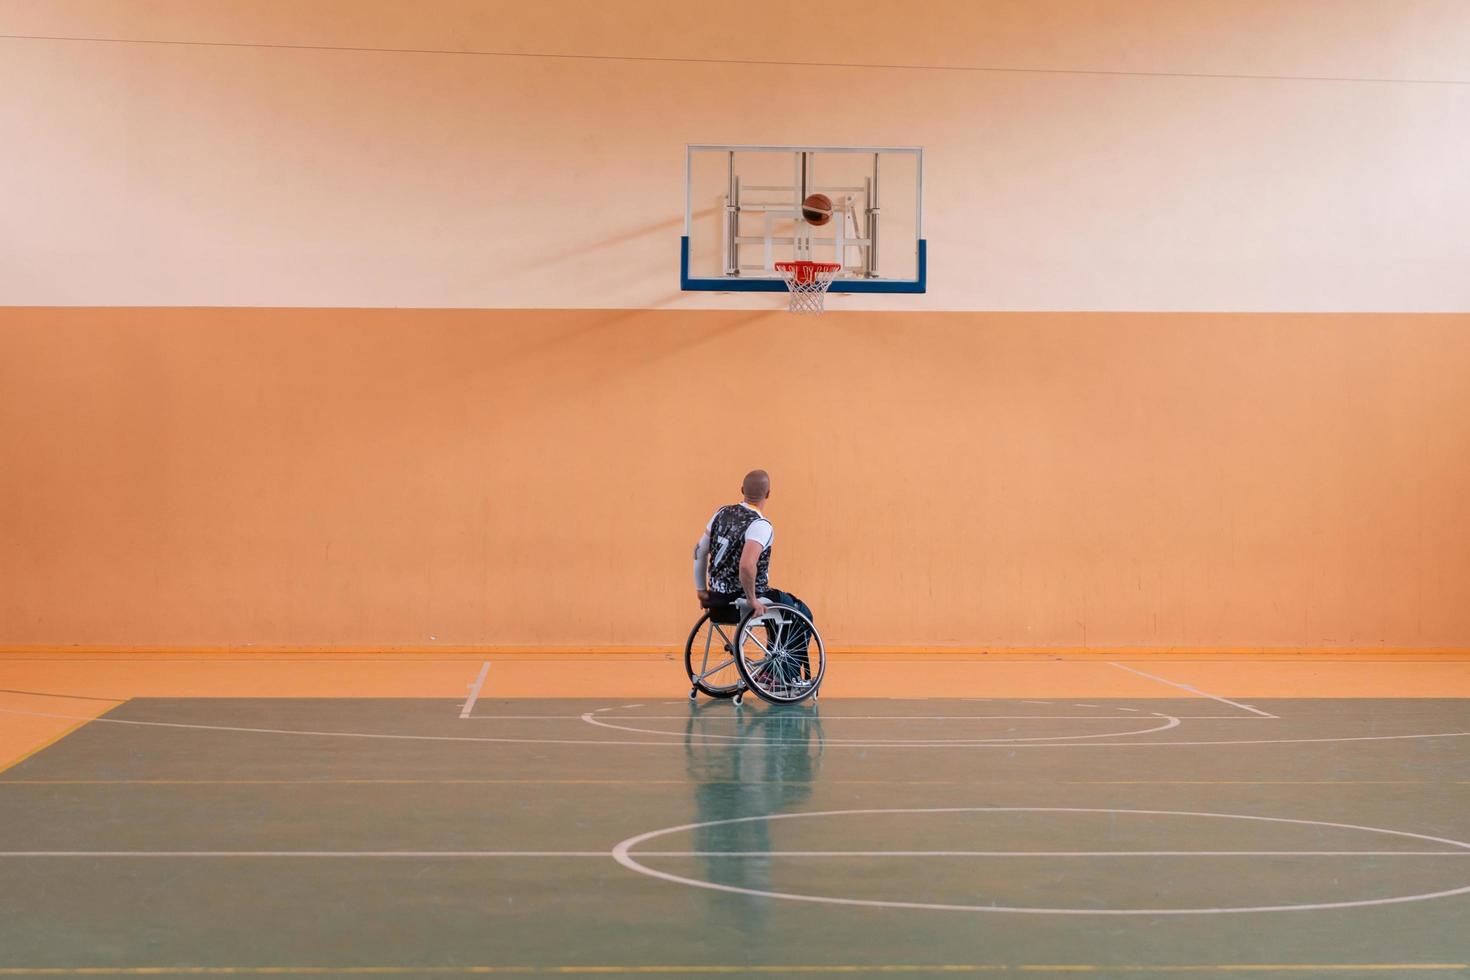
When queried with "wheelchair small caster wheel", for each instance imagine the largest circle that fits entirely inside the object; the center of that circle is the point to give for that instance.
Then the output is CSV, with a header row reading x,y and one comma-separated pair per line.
x,y
739,699
694,694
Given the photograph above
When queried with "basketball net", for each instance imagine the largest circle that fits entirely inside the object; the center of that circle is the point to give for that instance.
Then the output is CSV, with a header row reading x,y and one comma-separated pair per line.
x,y
808,282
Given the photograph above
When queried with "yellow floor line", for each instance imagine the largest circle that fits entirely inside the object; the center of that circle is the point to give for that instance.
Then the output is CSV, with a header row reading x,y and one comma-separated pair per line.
x,y
455,652
6,767
688,969
1240,968
1261,782
732,782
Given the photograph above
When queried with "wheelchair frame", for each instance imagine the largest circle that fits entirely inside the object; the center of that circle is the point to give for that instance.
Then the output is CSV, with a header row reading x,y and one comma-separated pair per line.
x,y
776,672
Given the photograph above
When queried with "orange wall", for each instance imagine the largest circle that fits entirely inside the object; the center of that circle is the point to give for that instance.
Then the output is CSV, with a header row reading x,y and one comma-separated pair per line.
x,y
184,458
358,477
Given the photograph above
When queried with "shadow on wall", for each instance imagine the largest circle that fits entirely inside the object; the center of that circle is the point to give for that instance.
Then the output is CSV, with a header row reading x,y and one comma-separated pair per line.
x,y
659,227
665,228
592,347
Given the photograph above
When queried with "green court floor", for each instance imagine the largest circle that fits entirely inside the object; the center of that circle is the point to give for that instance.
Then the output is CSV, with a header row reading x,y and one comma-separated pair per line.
x,y
858,837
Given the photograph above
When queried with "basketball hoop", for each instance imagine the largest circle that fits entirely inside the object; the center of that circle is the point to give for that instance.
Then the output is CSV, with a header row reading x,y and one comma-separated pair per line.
x,y
808,282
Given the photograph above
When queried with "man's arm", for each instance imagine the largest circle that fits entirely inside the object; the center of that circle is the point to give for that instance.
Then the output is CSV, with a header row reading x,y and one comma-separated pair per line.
x,y
701,568
750,555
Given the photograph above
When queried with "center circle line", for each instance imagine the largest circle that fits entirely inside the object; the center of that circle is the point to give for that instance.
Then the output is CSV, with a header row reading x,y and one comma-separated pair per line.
x,y
1169,721
622,853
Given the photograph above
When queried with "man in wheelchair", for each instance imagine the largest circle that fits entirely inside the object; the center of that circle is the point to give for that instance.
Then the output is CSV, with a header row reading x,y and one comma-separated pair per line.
x,y
733,556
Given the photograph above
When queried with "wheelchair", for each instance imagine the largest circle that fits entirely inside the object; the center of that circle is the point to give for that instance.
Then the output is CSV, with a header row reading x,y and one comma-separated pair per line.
x,y
779,654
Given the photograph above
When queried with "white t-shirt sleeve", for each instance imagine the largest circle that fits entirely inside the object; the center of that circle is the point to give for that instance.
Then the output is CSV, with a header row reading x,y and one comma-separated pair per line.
x,y
761,532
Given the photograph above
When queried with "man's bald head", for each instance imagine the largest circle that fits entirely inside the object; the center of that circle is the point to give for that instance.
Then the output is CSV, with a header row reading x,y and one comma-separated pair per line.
x,y
756,486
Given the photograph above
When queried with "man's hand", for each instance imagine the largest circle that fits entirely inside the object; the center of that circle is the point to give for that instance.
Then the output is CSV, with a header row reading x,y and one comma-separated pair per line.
x,y
703,596
757,608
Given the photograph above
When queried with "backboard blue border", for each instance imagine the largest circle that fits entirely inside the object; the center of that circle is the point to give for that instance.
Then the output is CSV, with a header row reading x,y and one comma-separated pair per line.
x,y
733,284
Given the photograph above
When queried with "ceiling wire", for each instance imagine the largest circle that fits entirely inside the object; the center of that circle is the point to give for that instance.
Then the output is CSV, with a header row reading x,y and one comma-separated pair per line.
x,y
740,61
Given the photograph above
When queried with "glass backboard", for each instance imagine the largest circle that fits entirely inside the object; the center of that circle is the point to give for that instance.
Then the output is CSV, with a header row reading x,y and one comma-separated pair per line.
x,y
747,208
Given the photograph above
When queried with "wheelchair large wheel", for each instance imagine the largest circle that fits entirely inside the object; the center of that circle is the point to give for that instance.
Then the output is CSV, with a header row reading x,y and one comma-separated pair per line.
x,y
780,655
709,659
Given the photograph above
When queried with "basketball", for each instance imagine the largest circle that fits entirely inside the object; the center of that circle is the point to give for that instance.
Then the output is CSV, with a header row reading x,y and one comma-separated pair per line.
x,y
817,209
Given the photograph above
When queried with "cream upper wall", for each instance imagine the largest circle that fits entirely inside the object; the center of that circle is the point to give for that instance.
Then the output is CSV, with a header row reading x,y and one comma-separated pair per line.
x,y
198,174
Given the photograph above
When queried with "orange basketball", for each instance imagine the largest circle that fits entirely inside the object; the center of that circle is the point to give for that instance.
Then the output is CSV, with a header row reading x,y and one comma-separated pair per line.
x,y
817,209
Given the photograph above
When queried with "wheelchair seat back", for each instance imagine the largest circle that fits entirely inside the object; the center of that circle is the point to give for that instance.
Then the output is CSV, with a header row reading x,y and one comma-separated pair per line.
x,y
726,613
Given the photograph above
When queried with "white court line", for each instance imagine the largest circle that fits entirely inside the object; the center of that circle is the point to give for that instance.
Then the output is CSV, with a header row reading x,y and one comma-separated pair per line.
x,y
670,742
685,717
1045,854
1169,722
1192,690
623,853
716,854
475,690
304,854
826,718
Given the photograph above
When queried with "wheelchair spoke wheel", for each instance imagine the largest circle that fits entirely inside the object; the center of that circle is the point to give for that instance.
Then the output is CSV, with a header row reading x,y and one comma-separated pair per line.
x,y
709,659
780,655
